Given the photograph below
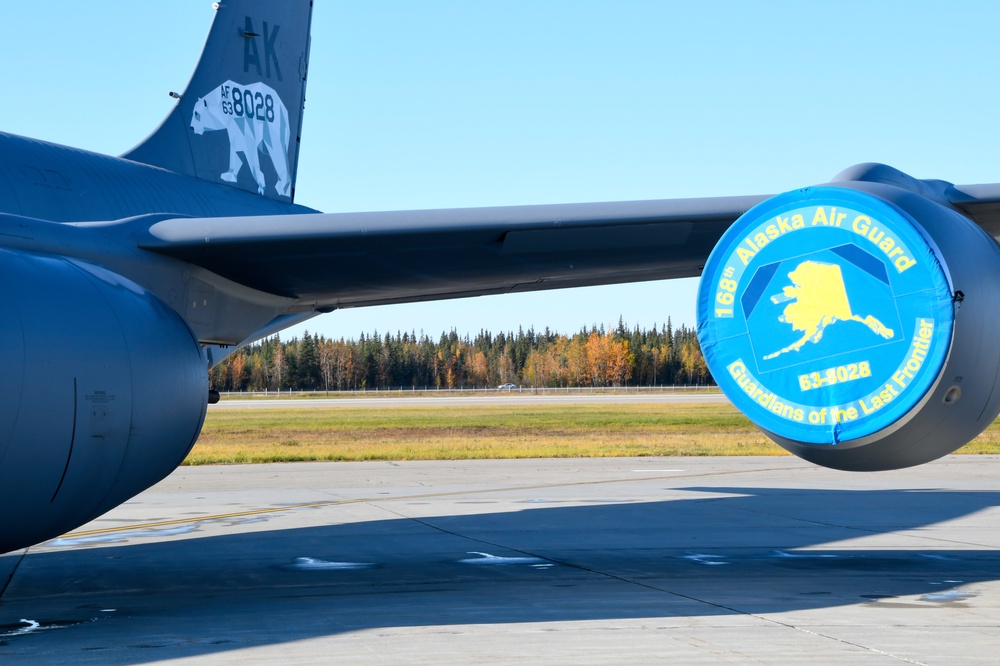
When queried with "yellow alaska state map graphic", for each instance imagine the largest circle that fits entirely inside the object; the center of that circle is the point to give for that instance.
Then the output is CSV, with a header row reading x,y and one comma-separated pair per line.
x,y
819,300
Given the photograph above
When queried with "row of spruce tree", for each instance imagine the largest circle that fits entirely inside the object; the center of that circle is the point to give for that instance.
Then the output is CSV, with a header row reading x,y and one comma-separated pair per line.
x,y
605,356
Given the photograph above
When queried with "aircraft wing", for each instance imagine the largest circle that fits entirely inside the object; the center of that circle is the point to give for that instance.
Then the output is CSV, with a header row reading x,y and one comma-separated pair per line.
x,y
339,260
355,259
979,202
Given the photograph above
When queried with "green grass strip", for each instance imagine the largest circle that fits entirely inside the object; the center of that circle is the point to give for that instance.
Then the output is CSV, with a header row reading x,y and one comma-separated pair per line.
x,y
471,432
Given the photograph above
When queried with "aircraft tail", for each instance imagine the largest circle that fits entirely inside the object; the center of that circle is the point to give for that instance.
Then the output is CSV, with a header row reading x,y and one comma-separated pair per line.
x,y
239,120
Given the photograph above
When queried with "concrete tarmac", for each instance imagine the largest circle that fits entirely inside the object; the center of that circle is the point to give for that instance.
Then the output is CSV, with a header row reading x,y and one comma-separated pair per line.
x,y
651,560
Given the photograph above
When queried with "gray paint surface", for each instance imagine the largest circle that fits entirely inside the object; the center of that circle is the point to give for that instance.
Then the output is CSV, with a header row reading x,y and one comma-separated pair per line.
x,y
680,560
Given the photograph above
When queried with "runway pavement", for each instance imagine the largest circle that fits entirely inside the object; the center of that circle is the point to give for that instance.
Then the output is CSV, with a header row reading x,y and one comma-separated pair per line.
x,y
651,560
502,399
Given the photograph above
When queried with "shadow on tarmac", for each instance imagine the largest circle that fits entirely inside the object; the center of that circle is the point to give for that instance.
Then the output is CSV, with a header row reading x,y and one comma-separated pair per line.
x,y
708,552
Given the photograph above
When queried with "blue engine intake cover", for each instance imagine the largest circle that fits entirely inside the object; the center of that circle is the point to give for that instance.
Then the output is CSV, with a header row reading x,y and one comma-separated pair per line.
x,y
826,314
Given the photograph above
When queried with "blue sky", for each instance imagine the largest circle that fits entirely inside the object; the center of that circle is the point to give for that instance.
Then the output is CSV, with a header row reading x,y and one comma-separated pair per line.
x,y
437,104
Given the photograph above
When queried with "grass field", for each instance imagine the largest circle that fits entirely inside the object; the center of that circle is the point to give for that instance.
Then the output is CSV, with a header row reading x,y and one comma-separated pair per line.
x,y
470,432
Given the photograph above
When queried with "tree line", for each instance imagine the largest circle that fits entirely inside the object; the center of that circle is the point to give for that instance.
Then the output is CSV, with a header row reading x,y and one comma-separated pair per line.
x,y
602,356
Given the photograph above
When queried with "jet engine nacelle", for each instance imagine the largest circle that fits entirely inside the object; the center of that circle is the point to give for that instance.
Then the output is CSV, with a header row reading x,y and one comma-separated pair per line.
x,y
103,393
856,324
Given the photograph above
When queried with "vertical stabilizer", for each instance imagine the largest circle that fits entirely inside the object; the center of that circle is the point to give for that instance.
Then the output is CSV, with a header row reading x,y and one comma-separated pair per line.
x,y
240,119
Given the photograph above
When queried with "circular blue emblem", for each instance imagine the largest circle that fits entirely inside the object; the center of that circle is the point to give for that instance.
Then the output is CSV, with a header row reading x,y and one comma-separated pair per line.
x,y
825,315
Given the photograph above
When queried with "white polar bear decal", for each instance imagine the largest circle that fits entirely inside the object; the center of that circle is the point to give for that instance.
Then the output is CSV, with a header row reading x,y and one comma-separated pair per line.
x,y
254,116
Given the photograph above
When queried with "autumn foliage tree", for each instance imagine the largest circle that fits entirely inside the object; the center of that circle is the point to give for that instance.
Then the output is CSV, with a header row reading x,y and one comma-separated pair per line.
x,y
603,356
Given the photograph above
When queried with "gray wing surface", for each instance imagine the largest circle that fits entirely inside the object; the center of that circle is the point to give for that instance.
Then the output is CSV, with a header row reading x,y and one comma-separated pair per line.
x,y
979,202
329,261
356,259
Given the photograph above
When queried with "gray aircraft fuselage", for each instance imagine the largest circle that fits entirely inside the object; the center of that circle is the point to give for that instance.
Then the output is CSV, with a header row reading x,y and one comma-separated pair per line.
x,y
57,183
